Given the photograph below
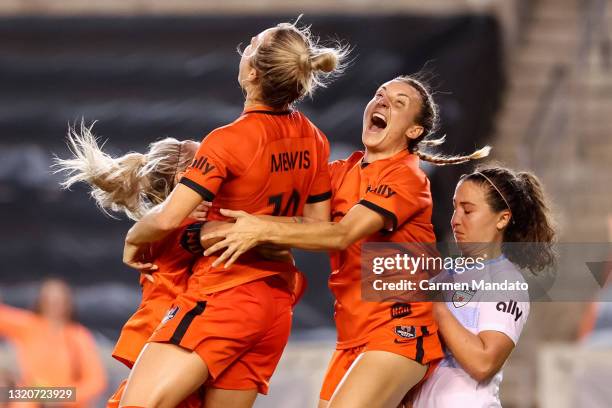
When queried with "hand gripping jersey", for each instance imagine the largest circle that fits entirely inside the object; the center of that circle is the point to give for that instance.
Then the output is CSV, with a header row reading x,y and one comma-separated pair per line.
x,y
397,189
265,162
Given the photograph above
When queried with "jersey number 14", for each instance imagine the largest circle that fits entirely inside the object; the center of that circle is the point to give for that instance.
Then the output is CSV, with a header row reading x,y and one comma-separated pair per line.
x,y
291,206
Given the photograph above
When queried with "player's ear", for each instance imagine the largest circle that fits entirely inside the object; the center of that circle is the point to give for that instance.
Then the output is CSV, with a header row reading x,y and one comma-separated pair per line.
x,y
252,74
414,131
503,220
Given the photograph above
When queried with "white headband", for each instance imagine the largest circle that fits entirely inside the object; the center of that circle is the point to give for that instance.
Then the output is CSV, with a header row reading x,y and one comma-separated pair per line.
x,y
498,191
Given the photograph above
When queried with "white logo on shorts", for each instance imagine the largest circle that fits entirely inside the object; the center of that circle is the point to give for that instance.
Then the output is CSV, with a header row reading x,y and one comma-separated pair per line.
x,y
170,314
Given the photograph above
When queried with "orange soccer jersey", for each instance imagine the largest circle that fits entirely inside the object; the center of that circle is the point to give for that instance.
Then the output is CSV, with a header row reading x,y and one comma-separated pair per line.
x,y
174,258
238,319
265,162
399,190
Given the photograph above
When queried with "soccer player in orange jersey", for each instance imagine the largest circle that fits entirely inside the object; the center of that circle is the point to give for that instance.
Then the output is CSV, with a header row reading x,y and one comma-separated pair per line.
x,y
379,195
133,184
228,330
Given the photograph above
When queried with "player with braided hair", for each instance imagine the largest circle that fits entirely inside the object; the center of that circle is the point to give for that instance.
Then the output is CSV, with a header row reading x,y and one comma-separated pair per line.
x,y
379,195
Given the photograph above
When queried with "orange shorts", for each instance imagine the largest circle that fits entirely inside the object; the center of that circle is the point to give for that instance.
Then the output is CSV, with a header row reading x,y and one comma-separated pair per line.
x,y
192,401
139,327
240,333
421,346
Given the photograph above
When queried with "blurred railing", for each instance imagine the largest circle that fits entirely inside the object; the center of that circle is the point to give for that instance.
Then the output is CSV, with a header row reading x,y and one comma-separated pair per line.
x,y
570,375
560,102
181,7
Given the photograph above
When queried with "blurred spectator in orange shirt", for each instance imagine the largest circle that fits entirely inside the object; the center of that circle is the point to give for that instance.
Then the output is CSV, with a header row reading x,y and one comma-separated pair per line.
x,y
52,349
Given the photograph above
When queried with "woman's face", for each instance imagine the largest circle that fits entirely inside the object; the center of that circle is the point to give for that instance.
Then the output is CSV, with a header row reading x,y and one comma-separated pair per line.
x,y
473,219
246,72
55,300
388,119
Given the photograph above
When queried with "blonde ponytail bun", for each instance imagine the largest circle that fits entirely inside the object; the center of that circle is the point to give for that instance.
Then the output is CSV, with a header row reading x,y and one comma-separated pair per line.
x,y
326,61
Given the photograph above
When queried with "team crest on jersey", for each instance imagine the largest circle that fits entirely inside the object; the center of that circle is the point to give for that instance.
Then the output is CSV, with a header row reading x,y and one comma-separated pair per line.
x,y
407,332
462,297
170,314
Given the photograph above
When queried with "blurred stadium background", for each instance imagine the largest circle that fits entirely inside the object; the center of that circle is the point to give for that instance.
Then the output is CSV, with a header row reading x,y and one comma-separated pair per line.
x,y
531,78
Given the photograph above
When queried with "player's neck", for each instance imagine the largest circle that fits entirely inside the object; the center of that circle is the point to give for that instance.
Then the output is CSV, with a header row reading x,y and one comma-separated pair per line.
x,y
252,102
253,99
488,250
372,156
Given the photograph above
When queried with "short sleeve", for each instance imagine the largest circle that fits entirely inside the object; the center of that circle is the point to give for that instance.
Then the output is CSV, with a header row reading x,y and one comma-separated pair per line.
x,y
321,187
212,164
335,167
507,317
397,196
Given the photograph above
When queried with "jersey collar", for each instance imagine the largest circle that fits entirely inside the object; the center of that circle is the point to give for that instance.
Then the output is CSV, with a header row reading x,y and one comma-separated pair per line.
x,y
403,155
266,110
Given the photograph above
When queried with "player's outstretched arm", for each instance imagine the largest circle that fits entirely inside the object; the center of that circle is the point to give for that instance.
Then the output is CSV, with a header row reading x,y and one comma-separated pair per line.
x,y
250,231
268,251
316,212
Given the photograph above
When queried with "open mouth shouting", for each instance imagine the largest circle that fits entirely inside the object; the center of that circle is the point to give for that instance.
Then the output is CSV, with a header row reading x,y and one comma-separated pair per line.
x,y
378,122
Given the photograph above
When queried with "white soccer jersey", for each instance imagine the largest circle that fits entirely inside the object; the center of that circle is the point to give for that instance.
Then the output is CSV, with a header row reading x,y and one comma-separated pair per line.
x,y
503,311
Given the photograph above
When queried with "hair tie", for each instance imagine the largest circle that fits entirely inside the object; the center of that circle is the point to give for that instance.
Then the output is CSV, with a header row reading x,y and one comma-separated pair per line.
x,y
498,192
304,61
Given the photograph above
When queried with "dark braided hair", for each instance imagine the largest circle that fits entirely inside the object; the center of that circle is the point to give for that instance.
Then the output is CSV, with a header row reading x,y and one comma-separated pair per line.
x,y
530,214
429,119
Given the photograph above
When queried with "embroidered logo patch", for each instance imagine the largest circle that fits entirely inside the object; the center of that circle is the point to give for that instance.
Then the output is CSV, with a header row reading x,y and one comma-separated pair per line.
x,y
462,297
407,332
400,310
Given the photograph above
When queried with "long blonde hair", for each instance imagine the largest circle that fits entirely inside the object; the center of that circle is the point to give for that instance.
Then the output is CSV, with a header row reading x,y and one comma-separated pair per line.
x,y
291,64
132,183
